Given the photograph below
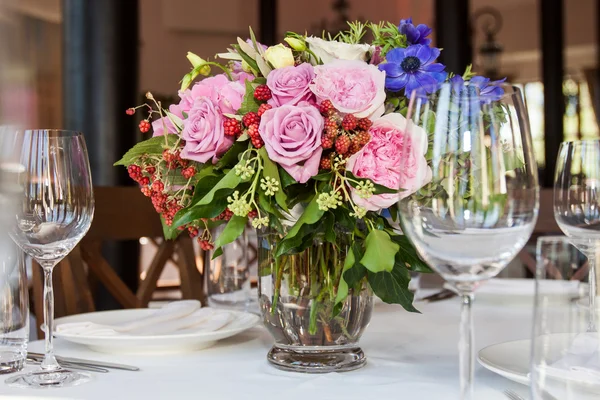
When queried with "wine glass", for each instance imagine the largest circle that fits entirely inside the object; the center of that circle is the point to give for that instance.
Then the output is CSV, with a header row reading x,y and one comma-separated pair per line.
x,y
479,203
55,212
577,204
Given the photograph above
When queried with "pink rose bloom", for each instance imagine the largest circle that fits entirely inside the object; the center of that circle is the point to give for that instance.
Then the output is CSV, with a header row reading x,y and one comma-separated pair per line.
x,y
203,132
290,85
353,86
393,158
292,136
227,94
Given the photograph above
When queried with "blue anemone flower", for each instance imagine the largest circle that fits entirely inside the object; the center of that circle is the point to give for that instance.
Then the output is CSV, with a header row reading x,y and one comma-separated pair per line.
x,y
412,68
415,34
488,90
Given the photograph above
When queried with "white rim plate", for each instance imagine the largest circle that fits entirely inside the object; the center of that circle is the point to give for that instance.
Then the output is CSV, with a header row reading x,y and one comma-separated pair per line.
x,y
169,343
508,359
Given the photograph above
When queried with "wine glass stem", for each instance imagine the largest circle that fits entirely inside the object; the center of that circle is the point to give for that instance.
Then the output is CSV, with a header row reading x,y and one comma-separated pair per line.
x,y
465,348
592,295
49,363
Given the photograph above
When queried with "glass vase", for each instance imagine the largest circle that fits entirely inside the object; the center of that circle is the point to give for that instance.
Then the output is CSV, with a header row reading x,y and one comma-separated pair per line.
x,y
313,332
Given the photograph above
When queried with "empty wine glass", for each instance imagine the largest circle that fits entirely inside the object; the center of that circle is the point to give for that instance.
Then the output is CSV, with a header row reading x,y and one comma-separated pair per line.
x,y
480,202
55,212
577,204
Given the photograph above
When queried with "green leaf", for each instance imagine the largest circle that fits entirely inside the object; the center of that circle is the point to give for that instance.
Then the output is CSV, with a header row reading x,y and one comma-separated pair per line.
x,y
265,204
249,103
342,292
270,170
230,181
392,287
188,215
233,229
323,176
355,274
311,215
407,256
343,218
154,145
249,60
231,156
380,252
286,179
328,221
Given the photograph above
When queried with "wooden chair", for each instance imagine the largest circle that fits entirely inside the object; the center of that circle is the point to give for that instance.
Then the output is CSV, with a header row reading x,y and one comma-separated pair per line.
x,y
122,213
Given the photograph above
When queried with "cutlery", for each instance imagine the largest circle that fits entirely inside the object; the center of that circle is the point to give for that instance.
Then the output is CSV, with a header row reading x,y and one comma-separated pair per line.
x,y
441,295
81,367
88,363
514,396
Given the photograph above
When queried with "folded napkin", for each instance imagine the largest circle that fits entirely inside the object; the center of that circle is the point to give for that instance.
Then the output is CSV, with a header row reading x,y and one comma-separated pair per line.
x,y
581,362
177,317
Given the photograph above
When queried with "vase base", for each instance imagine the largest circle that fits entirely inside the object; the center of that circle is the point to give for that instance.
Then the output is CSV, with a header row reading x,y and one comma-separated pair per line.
x,y
317,361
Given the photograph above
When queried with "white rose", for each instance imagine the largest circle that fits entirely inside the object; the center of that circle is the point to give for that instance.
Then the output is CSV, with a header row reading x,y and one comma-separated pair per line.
x,y
279,56
328,51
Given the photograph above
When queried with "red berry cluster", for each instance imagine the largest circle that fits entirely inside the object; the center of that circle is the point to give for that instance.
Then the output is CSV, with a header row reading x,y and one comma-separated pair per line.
x,y
205,244
262,93
263,108
232,127
188,172
144,126
173,159
255,136
224,216
130,111
344,135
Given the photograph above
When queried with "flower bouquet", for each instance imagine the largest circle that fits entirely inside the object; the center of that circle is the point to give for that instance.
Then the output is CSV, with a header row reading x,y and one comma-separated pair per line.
x,y
305,140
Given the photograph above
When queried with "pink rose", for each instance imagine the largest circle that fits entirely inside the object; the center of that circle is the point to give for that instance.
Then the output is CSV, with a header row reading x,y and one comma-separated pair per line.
x,y
393,158
354,87
292,136
203,132
290,85
227,94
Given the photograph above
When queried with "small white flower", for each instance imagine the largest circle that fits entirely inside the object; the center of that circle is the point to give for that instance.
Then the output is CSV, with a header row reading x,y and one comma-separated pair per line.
x,y
260,222
329,201
329,50
237,206
365,189
269,185
279,56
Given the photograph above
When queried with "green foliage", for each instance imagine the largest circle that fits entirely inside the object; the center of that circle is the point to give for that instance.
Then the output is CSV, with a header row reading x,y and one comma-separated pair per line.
x,y
231,157
249,103
392,287
407,256
297,235
354,34
380,252
169,232
152,146
379,189
342,292
270,170
387,36
233,229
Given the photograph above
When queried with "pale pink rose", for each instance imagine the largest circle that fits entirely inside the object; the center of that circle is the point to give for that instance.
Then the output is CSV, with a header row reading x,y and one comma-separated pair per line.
x,y
227,94
292,136
290,85
203,132
394,158
354,87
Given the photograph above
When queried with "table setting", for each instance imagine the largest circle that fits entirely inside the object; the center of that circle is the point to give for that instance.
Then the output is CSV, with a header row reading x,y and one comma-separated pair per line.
x,y
360,166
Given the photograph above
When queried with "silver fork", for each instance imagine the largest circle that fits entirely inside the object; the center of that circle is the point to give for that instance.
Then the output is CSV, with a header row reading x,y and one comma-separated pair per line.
x,y
513,395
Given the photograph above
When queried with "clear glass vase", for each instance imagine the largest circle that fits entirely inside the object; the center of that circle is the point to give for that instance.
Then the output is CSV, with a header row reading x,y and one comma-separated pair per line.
x,y
297,297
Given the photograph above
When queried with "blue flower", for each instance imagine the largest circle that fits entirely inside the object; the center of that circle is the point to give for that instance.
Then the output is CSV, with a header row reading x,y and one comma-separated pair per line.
x,y
415,34
412,68
488,90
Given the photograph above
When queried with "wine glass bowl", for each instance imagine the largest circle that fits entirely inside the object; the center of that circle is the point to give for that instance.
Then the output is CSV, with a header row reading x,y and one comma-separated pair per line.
x,y
480,205
577,205
55,212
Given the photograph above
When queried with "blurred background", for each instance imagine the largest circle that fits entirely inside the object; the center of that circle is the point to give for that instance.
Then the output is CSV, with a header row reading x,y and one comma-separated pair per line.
x,y
79,64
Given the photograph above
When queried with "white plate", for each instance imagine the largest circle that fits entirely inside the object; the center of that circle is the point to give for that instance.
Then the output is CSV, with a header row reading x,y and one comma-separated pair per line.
x,y
171,343
512,359
509,359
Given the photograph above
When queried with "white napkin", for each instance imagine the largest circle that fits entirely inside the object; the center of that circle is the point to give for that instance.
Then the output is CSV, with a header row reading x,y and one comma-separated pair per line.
x,y
184,316
581,361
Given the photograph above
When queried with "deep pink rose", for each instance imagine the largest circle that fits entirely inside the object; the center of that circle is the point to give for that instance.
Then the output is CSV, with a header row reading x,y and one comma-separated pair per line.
x,y
354,87
203,132
393,158
292,136
290,85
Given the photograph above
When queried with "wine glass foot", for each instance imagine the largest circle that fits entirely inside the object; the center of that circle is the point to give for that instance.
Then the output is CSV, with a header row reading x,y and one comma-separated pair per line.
x,y
43,379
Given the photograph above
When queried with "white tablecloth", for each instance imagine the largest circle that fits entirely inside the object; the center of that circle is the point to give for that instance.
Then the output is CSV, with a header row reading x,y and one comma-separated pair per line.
x,y
410,356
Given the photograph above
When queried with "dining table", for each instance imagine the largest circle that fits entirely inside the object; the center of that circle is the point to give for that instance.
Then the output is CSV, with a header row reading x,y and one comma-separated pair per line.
x,y
409,356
